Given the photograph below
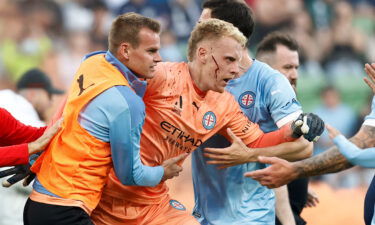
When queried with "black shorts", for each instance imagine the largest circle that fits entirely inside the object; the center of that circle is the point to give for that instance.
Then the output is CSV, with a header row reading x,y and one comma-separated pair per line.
x,y
36,213
369,202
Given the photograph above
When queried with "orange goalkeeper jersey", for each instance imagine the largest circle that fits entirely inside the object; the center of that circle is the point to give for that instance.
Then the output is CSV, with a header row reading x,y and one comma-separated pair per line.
x,y
179,118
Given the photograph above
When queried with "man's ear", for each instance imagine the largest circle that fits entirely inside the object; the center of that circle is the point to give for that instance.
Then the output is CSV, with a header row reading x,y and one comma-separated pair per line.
x,y
124,50
202,54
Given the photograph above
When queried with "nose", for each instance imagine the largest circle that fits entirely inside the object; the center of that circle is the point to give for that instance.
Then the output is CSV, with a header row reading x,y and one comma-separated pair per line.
x,y
157,57
294,74
235,69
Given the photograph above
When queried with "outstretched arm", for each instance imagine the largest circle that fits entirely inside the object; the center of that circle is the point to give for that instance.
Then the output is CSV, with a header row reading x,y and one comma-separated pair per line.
x,y
355,155
239,153
282,172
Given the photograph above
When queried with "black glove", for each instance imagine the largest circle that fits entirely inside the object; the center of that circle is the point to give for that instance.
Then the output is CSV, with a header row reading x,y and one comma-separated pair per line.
x,y
19,172
309,125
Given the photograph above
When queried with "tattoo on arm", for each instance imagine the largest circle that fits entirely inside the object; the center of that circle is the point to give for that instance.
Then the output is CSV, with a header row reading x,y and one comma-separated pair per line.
x,y
332,160
365,138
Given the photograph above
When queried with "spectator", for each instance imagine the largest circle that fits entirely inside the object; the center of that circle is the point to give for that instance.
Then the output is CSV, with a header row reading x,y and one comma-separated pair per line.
x,y
30,105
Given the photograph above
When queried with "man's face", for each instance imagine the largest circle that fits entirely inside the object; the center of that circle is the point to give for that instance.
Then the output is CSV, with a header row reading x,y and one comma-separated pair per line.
x,y
40,99
287,62
222,63
206,14
143,59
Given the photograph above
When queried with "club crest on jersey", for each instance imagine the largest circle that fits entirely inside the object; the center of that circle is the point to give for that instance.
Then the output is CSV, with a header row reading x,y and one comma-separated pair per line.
x,y
209,120
247,99
177,205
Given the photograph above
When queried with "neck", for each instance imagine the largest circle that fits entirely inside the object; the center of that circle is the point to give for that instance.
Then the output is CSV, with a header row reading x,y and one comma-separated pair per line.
x,y
196,74
245,62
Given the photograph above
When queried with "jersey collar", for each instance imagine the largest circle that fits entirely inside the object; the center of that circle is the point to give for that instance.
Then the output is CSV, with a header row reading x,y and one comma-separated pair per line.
x,y
135,83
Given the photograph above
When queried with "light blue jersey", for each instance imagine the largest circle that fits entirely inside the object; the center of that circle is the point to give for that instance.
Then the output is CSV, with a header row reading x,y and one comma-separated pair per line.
x,y
225,196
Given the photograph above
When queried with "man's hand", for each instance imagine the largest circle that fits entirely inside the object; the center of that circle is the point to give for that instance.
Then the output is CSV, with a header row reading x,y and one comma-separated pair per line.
x,y
171,167
39,144
279,173
332,132
19,172
312,198
236,154
370,70
309,125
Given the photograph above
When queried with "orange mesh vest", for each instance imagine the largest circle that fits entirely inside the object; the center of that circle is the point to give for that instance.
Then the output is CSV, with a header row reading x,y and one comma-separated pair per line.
x,y
76,164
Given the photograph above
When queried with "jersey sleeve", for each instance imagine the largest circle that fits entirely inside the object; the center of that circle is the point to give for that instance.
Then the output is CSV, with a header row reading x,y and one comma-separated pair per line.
x,y
355,155
281,100
117,116
240,125
14,132
250,132
14,155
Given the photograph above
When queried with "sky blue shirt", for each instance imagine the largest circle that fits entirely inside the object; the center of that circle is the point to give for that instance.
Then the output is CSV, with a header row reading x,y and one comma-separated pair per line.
x,y
117,116
355,155
225,196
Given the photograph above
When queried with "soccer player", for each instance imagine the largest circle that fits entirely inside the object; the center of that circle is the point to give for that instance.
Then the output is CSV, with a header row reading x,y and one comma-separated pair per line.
x,y
280,51
331,161
266,97
103,118
14,138
185,105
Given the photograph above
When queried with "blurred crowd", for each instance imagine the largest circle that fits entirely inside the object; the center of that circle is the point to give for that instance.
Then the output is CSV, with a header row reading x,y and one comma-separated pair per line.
x,y
336,38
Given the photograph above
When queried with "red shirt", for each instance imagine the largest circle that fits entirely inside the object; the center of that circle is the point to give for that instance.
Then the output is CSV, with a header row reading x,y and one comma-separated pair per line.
x,y
17,134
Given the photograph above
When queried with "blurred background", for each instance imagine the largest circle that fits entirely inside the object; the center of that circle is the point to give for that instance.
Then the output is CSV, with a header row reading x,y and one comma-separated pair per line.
x,y
336,38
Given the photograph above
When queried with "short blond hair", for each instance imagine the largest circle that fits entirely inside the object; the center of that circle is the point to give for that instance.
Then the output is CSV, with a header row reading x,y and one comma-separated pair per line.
x,y
126,27
213,29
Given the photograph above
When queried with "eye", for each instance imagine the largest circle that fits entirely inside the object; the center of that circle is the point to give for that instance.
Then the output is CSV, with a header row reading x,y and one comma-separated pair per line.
x,y
288,67
230,59
153,50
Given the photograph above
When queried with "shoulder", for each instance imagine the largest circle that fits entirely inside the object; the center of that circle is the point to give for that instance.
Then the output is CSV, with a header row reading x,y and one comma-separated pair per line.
x,y
170,68
118,99
266,75
167,75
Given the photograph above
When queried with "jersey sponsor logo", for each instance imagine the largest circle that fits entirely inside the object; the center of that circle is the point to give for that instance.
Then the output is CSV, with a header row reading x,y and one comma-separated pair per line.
x,y
177,205
209,120
247,99
179,138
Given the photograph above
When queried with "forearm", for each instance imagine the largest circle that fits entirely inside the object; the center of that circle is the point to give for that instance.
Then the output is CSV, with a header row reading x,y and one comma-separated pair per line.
x,y
127,162
355,155
14,155
291,151
283,210
332,160
277,137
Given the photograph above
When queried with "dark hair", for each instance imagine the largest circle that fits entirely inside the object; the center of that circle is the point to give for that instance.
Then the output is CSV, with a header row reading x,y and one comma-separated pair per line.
x,y
126,27
269,43
232,11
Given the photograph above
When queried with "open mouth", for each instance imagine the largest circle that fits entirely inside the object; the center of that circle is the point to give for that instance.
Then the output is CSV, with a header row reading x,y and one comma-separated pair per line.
x,y
227,80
